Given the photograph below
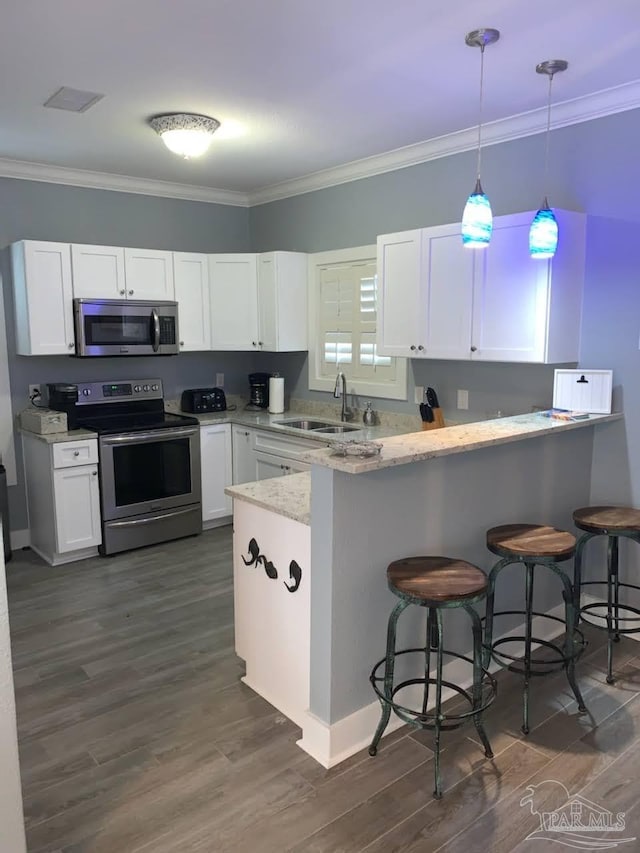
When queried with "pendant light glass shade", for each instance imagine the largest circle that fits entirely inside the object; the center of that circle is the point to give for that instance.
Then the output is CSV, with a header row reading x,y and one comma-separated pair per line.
x,y
543,234
477,219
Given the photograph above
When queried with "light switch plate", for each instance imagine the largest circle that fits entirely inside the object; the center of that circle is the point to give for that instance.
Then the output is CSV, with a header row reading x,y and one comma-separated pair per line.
x,y
463,399
418,394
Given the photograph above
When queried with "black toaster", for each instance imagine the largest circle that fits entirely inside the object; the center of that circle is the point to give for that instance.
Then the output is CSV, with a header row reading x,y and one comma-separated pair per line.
x,y
201,400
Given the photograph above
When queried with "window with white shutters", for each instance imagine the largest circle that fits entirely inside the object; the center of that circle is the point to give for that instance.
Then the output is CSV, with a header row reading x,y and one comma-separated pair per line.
x,y
343,328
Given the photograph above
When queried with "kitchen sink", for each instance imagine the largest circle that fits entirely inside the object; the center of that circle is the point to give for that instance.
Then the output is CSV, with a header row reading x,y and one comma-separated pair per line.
x,y
303,424
316,426
336,429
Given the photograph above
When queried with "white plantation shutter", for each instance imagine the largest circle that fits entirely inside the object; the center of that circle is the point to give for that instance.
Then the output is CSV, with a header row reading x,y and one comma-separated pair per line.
x,y
347,323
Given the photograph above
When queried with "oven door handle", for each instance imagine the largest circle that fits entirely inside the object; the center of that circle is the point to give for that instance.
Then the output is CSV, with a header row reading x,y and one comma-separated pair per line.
x,y
156,330
153,435
149,519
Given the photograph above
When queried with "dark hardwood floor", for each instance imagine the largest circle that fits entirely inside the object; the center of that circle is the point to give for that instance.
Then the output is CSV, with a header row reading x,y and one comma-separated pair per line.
x,y
137,736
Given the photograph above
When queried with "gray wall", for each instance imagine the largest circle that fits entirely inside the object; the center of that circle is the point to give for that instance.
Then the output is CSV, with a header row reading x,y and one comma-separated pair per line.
x,y
39,211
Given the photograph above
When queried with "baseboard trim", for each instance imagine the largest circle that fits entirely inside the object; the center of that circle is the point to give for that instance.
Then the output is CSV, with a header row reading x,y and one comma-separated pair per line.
x,y
217,522
332,743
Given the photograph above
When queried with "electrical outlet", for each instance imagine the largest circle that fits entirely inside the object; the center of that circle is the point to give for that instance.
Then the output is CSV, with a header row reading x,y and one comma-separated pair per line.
x,y
418,394
463,399
34,391
219,380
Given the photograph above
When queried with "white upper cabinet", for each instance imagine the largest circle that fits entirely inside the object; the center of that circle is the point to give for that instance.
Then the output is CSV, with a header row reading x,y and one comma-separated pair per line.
x,y
441,300
149,274
234,307
259,302
98,272
191,281
43,295
282,301
402,294
526,309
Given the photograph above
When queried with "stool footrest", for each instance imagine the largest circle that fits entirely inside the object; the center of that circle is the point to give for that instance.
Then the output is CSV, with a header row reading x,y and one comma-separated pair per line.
x,y
540,666
428,719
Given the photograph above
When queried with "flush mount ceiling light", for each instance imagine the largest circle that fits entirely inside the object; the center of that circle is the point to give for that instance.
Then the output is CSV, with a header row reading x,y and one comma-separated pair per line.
x,y
186,134
477,220
543,234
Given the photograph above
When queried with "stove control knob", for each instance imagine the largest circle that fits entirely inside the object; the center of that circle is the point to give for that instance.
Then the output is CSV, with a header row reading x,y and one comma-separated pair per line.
x,y
154,387
145,387
137,389
86,392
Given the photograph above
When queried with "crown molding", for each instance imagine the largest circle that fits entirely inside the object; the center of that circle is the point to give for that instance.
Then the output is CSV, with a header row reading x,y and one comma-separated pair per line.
x,y
26,171
597,105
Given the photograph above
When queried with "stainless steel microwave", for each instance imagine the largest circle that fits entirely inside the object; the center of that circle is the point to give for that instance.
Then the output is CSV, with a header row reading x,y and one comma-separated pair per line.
x,y
125,327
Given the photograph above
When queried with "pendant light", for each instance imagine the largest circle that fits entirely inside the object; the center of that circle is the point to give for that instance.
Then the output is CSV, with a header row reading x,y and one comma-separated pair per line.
x,y
477,219
543,234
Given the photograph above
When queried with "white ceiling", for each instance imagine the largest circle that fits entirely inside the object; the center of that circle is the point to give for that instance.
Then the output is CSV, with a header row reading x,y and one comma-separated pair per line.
x,y
300,87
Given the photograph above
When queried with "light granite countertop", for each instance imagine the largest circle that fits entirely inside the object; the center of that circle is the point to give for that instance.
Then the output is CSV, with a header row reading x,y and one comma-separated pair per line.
x,y
419,446
289,496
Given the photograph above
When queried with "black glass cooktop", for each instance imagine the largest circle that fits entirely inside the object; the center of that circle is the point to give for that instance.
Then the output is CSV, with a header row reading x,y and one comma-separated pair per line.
x,y
135,422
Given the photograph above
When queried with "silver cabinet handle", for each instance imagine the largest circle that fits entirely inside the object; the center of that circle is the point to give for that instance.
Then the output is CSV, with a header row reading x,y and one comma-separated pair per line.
x,y
71,346
122,292
181,343
76,453
253,343
94,473
259,343
131,293
412,347
420,347
474,349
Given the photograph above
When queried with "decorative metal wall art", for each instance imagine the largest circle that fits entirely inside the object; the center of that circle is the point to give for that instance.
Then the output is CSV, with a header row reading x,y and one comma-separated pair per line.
x,y
255,558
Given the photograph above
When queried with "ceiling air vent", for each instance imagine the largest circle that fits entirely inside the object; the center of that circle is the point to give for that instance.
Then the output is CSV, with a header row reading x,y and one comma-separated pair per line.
x,y
73,100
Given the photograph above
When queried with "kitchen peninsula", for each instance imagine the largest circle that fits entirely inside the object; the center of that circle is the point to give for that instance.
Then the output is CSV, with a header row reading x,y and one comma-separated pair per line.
x,y
426,493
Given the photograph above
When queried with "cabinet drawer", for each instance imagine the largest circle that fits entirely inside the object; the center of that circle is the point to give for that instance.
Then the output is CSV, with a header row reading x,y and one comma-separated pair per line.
x,y
284,445
66,454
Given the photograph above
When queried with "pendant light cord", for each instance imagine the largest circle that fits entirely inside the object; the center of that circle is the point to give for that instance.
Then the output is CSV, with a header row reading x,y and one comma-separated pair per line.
x,y
482,46
546,152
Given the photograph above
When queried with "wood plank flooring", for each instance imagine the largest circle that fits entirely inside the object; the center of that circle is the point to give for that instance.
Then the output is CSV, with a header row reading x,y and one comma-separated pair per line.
x,y
137,736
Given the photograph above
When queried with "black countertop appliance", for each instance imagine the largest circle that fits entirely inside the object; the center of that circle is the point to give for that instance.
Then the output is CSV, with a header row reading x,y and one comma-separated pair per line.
x,y
259,390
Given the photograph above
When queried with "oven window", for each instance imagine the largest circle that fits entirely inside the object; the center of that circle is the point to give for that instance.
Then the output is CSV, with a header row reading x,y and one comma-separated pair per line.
x,y
151,471
115,330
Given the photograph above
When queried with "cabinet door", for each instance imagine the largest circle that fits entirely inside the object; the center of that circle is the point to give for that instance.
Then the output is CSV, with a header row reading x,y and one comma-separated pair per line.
x,y
149,274
98,272
191,280
234,302
244,463
268,466
43,298
282,301
268,303
510,298
215,456
77,508
401,327
449,293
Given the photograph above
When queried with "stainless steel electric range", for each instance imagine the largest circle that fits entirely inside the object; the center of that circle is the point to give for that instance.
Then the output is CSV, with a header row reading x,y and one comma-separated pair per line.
x,y
150,488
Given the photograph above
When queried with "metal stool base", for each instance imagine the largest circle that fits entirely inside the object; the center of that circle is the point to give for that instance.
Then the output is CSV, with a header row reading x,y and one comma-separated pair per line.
x,y
481,695
528,665
614,609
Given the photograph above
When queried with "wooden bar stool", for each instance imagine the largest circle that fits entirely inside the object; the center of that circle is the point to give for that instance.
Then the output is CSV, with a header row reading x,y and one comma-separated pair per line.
x,y
436,583
533,545
613,522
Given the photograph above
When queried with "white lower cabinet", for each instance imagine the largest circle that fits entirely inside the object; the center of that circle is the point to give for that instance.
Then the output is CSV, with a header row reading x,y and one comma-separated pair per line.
x,y
215,461
63,498
260,454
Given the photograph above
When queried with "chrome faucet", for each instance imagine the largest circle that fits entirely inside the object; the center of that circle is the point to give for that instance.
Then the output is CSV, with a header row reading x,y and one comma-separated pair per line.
x,y
340,390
